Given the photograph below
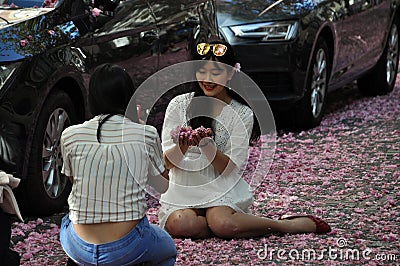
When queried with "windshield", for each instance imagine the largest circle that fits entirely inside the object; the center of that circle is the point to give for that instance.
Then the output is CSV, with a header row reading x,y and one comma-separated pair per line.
x,y
11,4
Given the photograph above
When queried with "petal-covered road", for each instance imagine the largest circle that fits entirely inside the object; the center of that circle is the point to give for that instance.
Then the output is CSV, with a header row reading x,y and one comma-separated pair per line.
x,y
347,171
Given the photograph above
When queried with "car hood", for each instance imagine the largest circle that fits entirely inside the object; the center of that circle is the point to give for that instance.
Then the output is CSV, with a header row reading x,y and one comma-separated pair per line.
x,y
10,16
238,12
23,33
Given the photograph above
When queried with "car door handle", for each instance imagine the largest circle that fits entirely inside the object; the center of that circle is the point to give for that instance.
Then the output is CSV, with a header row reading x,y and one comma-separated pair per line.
x,y
149,37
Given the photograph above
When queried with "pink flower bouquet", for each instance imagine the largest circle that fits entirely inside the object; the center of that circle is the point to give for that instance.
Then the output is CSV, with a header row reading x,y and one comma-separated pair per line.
x,y
181,131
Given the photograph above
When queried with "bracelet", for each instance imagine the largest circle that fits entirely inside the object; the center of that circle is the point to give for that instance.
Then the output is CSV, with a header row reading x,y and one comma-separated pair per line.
x,y
205,144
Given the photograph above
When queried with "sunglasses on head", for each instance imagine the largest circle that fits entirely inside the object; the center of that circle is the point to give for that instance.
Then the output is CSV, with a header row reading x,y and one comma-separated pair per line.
x,y
217,49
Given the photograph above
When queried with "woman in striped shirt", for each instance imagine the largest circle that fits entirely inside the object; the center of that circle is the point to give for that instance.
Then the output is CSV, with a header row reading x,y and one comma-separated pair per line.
x,y
109,159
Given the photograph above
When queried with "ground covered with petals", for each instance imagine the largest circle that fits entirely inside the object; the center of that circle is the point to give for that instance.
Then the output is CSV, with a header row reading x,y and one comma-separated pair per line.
x,y
346,171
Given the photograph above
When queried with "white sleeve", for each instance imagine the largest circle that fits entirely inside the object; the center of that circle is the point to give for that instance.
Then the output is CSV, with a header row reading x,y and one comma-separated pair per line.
x,y
66,168
240,137
174,117
153,145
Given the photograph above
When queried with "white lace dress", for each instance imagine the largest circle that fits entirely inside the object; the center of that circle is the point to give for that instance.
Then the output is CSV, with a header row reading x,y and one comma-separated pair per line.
x,y
195,183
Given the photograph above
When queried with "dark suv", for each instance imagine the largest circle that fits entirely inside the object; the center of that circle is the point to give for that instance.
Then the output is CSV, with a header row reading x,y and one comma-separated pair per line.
x,y
47,52
298,51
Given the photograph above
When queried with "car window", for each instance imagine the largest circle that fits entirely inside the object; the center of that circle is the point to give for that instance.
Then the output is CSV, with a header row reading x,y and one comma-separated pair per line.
x,y
124,37
125,16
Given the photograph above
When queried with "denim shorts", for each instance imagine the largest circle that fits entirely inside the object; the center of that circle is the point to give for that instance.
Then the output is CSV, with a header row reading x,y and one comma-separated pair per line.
x,y
145,244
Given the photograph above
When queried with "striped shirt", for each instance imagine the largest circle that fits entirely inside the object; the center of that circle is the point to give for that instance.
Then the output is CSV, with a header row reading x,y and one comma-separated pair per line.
x,y
110,177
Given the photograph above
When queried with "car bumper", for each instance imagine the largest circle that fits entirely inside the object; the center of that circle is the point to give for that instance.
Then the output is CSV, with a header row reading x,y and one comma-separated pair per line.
x,y
274,68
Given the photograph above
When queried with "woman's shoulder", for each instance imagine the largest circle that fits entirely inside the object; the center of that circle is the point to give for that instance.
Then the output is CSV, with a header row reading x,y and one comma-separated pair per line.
x,y
84,127
131,127
241,108
182,98
150,131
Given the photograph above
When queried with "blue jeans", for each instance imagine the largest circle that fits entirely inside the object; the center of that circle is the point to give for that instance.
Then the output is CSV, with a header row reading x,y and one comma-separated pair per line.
x,y
146,243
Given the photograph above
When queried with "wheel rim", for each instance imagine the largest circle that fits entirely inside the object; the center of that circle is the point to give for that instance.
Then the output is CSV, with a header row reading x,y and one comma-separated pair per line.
x,y
318,84
392,55
53,181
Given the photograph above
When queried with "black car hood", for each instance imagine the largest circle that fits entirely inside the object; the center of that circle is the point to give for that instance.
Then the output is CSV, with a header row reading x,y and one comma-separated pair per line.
x,y
17,31
238,12
26,32
11,16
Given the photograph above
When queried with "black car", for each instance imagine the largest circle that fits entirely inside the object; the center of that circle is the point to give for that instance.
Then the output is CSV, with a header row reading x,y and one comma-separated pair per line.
x,y
297,51
47,52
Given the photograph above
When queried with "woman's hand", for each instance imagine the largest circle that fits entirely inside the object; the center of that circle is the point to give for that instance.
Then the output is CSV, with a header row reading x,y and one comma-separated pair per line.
x,y
173,156
184,142
184,139
193,138
186,136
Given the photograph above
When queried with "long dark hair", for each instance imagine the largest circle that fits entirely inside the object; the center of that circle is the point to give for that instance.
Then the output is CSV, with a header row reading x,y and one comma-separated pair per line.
x,y
228,58
110,91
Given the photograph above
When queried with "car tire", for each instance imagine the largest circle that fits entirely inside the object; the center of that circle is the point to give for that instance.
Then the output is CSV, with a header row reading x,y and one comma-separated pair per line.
x,y
46,189
382,78
310,109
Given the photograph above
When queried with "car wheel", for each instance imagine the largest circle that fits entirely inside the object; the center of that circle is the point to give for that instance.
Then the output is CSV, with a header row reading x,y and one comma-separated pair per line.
x,y
382,78
46,189
311,107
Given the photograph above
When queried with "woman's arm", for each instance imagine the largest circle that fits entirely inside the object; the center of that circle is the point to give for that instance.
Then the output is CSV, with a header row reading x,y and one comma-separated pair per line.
x,y
159,182
236,154
165,174
174,155
221,162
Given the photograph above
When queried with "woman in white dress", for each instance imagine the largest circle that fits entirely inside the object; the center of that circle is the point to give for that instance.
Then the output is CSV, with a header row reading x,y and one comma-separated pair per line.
x,y
206,195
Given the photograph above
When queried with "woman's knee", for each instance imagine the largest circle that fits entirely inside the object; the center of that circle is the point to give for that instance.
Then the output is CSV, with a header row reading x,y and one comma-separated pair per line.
x,y
223,227
183,223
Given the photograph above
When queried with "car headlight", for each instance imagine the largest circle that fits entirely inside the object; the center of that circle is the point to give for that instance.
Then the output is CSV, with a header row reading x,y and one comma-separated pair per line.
x,y
6,72
267,31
